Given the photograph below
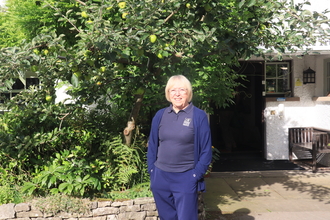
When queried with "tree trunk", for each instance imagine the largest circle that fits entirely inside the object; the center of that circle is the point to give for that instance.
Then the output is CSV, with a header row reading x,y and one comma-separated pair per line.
x,y
128,131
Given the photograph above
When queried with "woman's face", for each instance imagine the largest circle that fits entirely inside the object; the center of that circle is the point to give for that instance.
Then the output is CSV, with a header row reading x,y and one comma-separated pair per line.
x,y
178,96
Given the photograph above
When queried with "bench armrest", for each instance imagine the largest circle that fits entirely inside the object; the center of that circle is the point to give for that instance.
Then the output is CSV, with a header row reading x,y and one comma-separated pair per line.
x,y
321,141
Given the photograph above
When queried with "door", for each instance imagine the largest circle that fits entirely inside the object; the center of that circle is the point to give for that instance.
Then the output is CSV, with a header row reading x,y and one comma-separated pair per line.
x,y
239,128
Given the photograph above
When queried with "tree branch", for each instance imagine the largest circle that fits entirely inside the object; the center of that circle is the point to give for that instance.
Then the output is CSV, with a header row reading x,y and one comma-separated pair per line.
x,y
58,11
80,2
168,17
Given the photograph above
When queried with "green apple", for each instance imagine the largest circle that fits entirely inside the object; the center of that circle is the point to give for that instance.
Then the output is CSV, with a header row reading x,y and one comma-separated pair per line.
x,y
159,55
48,98
123,15
152,38
122,4
84,14
46,52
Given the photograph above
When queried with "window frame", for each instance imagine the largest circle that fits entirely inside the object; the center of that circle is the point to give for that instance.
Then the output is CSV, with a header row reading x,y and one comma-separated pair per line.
x,y
10,93
326,77
288,90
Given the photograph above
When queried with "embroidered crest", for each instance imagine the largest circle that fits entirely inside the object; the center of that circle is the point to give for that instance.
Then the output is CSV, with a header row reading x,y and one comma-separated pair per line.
x,y
186,122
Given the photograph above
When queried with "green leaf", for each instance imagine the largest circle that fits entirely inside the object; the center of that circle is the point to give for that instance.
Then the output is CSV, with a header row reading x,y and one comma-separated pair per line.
x,y
29,188
52,181
82,191
54,191
74,80
63,187
251,3
241,3
78,179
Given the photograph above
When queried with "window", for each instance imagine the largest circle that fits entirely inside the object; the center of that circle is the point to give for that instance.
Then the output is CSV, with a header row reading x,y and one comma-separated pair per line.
x,y
17,87
277,78
327,76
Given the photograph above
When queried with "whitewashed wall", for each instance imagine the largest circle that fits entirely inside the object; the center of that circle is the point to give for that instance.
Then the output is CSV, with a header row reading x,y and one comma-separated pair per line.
x,y
305,112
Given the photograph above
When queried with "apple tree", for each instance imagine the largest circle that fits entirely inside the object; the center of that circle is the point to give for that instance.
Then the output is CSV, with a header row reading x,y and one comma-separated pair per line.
x,y
116,57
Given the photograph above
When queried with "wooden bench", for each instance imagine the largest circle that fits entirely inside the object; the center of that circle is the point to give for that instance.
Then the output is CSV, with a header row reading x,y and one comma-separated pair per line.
x,y
314,140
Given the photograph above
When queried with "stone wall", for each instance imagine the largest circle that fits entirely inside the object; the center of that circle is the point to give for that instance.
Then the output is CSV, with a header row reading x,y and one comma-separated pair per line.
x,y
137,209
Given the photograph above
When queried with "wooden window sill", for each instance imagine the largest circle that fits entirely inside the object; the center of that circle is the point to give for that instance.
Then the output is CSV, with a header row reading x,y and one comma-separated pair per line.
x,y
321,98
282,99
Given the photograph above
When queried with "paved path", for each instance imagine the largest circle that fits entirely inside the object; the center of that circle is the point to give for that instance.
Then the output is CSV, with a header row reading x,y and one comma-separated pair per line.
x,y
268,195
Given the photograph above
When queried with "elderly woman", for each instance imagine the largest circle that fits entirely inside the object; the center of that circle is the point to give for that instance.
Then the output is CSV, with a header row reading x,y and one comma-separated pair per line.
x,y
179,153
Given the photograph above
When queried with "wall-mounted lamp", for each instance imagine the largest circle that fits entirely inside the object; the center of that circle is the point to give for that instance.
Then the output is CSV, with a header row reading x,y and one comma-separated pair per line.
x,y
309,76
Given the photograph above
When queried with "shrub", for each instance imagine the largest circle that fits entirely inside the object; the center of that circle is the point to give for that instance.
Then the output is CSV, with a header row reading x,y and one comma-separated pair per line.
x,y
9,188
138,191
80,172
54,204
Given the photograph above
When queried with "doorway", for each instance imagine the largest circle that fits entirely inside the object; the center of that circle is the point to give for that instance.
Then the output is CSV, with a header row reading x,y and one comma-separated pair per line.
x,y
238,128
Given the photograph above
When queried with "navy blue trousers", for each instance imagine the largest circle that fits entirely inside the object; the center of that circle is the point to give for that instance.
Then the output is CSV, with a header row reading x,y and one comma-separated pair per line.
x,y
175,194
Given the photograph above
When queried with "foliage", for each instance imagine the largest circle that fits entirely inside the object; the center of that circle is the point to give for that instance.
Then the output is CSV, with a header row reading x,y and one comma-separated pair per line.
x,y
215,154
215,157
70,151
54,204
9,188
126,165
112,54
81,173
138,191
25,19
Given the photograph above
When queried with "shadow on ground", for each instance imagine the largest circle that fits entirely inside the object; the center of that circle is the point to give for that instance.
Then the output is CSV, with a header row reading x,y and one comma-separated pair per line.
x,y
232,197
242,214
251,161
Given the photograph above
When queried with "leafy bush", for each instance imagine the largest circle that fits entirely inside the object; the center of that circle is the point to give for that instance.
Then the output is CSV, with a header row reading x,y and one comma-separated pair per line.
x,y
126,165
9,188
138,191
79,172
54,204
68,149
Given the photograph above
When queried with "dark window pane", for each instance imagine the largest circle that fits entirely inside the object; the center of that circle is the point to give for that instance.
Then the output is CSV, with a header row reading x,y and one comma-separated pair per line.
x,y
281,85
270,85
277,78
31,81
271,70
18,84
283,71
13,94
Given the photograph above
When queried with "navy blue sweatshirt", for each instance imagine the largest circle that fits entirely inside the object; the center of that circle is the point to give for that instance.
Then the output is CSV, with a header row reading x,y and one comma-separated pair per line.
x,y
202,144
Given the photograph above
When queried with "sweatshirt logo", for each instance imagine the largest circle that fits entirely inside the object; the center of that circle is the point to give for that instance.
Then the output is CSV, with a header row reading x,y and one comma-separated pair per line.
x,y
186,122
